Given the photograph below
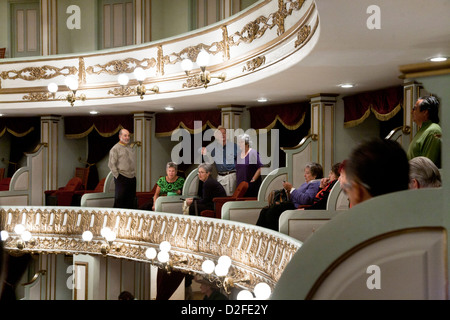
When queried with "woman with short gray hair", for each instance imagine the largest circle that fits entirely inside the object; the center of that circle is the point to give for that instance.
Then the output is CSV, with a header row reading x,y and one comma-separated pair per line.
x,y
423,173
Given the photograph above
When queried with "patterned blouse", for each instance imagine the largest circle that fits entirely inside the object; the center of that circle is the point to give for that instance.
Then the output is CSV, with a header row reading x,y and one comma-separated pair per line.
x,y
170,186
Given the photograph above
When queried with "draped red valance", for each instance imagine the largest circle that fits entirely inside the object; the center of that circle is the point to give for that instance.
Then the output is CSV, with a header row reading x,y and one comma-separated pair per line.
x,y
384,104
77,127
291,115
166,123
18,126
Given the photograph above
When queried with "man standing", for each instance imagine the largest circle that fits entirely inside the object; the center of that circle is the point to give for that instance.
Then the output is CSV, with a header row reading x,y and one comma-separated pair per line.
x,y
224,155
122,163
427,141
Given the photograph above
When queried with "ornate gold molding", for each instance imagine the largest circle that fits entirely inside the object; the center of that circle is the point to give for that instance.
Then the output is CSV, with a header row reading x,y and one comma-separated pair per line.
x,y
38,73
116,67
302,35
257,254
254,64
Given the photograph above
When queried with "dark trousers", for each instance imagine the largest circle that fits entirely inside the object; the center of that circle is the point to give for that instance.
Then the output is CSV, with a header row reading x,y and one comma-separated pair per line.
x,y
125,192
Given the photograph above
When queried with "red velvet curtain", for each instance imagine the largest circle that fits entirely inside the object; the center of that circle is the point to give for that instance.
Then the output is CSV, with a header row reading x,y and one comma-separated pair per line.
x,y
18,126
166,123
167,283
384,104
80,126
291,116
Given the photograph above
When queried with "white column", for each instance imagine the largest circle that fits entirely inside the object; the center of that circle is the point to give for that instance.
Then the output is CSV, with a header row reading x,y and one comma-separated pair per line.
x,y
49,135
322,125
231,116
142,135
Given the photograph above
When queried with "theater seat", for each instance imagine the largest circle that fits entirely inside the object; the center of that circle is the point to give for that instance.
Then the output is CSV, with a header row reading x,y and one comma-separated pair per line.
x,y
145,199
238,195
76,200
4,184
63,196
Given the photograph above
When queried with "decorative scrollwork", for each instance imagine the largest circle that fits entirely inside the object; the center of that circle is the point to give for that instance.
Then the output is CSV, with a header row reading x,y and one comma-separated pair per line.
x,y
38,73
302,35
116,67
254,64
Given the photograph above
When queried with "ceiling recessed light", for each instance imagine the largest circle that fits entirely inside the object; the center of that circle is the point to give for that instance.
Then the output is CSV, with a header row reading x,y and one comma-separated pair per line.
x,y
438,59
93,112
1,114
169,108
346,85
262,100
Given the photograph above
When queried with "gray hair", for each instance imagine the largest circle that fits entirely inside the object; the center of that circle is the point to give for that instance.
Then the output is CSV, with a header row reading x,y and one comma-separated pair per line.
x,y
316,169
246,138
425,172
171,165
206,167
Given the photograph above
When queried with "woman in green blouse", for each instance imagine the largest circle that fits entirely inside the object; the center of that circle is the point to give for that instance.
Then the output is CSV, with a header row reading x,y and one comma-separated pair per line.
x,y
169,185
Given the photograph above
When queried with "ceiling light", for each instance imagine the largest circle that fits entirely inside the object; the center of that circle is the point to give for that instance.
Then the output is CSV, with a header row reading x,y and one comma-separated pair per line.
x,y
438,59
169,108
1,114
93,112
346,85
262,100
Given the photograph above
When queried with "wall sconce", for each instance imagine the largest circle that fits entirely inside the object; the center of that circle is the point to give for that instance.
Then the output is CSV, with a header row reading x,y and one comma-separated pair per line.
x,y
218,273
262,291
202,61
72,84
164,260
24,236
140,90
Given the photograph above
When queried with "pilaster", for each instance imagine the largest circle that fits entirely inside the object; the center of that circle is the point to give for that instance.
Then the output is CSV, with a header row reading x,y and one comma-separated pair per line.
x,y
143,136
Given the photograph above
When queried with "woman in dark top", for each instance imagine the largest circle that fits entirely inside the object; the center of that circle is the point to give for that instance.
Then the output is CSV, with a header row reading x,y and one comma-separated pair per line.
x,y
210,190
248,166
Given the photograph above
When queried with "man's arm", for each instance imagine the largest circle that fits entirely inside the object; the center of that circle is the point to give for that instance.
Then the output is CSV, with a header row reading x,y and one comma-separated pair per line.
x,y
112,163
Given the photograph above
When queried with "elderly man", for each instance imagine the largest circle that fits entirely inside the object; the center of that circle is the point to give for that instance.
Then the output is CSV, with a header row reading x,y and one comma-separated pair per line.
x,y
224,155
427,141
122,163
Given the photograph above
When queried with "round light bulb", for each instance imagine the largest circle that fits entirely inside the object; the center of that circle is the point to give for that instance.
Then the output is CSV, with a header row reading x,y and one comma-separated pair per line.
x,y
105,231
19,228
139,73
26,236
220,270
225,261
244,295
262,291
52,87
438,59
4,235
165,246
208,266
123,79
110,236
186,65
203,58
72,83
87,235
163,256
150,253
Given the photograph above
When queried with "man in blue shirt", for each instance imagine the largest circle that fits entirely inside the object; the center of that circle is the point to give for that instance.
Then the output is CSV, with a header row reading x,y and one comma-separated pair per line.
x,y
224,155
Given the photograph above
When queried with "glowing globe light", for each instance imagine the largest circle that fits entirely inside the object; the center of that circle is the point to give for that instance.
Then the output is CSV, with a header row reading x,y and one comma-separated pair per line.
x,y
4,235
225,261
262,291
26,236
163,256
244,295
208,266
19,228
87,235
123,79
150,253
165,246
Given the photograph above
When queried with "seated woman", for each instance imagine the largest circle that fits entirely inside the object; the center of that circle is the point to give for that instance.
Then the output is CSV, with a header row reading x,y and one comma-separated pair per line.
x,y
268,217
326,184
210,190
248,166
423,173
169,185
